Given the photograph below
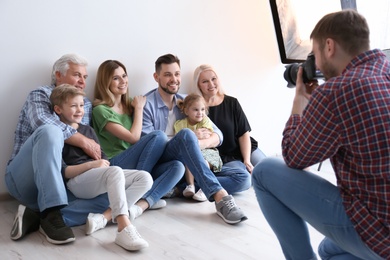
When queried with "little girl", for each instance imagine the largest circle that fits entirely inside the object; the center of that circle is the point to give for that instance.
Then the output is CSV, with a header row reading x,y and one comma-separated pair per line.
x,y
195,108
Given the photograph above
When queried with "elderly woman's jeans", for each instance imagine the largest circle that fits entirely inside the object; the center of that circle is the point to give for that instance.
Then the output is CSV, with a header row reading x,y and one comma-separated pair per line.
x,y
289,198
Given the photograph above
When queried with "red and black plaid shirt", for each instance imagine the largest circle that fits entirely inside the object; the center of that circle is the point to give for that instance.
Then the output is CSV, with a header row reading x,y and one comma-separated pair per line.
x,y
348,120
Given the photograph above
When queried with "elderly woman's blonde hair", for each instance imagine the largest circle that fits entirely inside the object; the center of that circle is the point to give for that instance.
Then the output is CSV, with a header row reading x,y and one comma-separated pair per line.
x,y
200,69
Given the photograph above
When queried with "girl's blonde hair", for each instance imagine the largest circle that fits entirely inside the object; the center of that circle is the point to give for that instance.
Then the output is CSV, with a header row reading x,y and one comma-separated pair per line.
x,y
189,100
195,83
102,92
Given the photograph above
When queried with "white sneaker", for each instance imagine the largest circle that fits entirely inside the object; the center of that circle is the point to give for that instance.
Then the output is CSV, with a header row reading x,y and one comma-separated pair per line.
x,y
159,204
130,239
134,212
94,223
189,191
199,196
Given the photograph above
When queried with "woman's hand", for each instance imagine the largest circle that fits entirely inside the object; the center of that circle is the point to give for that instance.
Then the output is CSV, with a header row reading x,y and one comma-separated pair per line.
x,y
249,167
138,102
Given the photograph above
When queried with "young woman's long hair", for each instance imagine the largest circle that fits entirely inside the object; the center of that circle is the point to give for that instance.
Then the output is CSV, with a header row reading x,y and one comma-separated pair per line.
x,y
102,93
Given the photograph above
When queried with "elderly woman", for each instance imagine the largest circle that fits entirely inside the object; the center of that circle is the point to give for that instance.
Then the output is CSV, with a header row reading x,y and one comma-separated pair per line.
x,y
238,149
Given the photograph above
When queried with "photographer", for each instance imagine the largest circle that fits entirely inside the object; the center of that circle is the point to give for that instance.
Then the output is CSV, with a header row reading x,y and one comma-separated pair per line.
x,y
345,119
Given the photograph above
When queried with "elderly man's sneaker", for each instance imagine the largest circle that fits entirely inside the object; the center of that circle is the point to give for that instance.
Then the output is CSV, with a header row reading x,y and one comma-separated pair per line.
x,y
26,221
94,223
130,239
229,211
55,230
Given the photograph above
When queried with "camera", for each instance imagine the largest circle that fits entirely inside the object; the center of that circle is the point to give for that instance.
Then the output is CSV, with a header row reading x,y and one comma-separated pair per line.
x,y
309,71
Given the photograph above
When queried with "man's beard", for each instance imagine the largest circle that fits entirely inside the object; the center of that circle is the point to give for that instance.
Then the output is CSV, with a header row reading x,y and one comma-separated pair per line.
x,y
327,69
166,90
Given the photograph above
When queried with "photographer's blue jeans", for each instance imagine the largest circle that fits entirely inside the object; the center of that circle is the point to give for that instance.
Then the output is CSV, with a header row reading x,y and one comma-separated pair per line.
x,y
290,197
34,178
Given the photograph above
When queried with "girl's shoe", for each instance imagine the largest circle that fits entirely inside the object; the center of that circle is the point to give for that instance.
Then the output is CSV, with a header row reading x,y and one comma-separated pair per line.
x,y
199,196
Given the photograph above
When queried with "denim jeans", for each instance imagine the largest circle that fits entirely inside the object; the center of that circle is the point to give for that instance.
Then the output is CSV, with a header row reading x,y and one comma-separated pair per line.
x,y
165,175
144,154
257,156
290,197
234,177
184,147
34,177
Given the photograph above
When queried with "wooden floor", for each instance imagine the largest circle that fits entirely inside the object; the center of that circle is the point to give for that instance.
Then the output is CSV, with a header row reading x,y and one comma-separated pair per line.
x,y
182,230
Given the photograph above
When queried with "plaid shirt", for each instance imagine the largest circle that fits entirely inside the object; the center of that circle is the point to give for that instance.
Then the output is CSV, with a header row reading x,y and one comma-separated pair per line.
x,y
348,120
37,111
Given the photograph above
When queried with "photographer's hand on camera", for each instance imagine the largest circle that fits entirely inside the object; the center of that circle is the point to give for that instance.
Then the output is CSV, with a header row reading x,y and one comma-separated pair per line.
x,y
302,93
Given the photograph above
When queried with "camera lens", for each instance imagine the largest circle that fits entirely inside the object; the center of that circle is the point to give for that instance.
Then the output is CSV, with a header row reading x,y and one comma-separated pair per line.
x,y
290,74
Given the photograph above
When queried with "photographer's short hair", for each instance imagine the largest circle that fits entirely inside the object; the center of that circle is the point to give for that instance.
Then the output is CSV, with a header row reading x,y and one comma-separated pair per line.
x,y
62,65
166,59
63,92
348,28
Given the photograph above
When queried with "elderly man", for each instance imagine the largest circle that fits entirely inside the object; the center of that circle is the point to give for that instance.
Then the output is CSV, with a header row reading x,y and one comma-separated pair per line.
x,y
33,174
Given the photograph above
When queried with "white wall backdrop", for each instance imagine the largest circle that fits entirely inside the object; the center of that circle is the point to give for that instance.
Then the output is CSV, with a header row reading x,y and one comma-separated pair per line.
x,y
237,37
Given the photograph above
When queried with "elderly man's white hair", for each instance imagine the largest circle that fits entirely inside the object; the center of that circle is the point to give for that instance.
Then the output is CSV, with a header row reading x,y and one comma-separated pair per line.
x,y
62,65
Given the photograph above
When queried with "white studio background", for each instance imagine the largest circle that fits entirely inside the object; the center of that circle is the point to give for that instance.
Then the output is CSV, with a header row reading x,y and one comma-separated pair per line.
x,y
236,37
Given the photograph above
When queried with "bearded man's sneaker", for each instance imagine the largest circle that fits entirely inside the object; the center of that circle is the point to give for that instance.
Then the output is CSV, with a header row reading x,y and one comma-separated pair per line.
x,y
229,211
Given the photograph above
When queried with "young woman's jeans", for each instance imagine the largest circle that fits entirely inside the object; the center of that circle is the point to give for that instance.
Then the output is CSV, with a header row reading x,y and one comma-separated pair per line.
x,y
34,178
144,155
289,198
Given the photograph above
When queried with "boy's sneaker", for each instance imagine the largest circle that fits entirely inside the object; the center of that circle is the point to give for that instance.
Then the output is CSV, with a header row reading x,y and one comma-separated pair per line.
x,y
199,196
189,191
55,230
94,223
130,239
26,221
134,212
228,210
159,204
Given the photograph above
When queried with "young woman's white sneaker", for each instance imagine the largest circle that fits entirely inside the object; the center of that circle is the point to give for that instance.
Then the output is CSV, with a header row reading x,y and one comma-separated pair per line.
x,y
130,239
199,196
189,191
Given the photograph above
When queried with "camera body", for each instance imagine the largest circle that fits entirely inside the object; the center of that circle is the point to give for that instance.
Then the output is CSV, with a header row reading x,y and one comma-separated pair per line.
x,y
309,71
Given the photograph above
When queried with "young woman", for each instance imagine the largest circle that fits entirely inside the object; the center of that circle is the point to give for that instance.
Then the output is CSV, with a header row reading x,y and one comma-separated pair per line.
x,y
117,120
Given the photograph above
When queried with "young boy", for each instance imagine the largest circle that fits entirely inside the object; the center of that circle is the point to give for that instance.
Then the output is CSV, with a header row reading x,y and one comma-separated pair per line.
x,y
87,178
